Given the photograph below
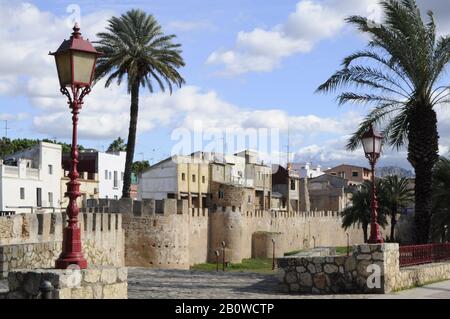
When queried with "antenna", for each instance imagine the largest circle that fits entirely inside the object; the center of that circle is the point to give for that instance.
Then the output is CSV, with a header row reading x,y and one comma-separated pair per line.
x,y
6,128
288,165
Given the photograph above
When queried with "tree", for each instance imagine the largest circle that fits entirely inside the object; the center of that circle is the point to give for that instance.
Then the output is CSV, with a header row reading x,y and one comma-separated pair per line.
x,y
139,166
11,146
401,79
397,195
360,211
441,199
118,145
135,47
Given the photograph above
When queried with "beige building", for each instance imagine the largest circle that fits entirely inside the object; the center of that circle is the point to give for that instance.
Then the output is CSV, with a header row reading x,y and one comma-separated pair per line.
x,y
292,188
180,177
198,177
329,193
89,185
355,175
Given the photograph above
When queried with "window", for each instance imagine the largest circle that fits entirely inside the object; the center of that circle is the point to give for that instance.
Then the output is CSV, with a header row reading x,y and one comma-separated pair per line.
x,y
106,174
203,179
50,170
249,198
193,177
121,176
22,193
183,176
221,194
355,174
292,185
116,182
39,197
50,199
110,175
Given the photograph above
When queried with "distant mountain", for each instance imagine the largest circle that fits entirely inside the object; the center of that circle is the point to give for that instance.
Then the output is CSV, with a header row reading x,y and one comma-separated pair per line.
x,y
393,170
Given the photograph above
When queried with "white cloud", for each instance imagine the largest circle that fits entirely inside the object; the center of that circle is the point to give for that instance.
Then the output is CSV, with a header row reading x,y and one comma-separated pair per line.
x,y
262,50
312,21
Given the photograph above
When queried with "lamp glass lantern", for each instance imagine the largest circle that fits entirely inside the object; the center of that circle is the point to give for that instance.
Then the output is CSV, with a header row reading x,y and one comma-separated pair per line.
x,y
372,141
75,61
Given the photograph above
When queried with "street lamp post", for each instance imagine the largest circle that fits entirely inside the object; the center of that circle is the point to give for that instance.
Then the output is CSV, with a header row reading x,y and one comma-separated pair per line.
x,y
75,61
223,255
372,141
273,253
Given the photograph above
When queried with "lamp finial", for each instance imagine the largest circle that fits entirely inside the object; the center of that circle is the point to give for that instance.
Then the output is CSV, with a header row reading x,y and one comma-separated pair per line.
x,y
76,31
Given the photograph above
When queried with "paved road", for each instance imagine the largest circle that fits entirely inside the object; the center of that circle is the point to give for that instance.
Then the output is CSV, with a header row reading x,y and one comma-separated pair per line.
x,y
185,284
439,290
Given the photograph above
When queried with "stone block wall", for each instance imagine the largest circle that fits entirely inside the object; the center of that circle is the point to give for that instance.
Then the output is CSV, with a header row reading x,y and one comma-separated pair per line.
x,y
168,234
263,246
30,241
369,269
92,283
409,277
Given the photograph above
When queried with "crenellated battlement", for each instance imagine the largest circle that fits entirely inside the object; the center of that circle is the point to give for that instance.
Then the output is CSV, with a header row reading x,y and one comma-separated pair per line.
x,y
151,207
35,240
168,234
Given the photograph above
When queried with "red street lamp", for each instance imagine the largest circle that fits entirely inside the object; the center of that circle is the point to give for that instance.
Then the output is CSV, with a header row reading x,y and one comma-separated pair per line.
x,y
75,62
372,141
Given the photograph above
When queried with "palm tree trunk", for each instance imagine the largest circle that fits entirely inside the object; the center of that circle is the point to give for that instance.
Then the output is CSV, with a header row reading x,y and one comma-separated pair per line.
x,y
131,142
393,224
423,150
365,232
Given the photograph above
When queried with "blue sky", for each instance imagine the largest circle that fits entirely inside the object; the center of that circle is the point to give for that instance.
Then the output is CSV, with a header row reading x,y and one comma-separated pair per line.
x,y
247,65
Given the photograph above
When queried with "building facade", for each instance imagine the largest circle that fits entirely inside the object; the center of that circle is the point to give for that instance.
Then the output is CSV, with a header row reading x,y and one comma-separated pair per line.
x,y
199,177
329,193
306,170
88,188
30,180
355,175
292,188
109,168
180,177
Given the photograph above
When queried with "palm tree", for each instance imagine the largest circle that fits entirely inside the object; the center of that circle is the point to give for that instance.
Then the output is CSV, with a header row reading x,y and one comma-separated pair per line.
x,y
441,199
397,195
404,64
136,47
360,211
118,145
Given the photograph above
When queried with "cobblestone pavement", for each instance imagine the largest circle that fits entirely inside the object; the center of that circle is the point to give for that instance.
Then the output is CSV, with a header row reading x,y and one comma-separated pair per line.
x,y
3,285
186,284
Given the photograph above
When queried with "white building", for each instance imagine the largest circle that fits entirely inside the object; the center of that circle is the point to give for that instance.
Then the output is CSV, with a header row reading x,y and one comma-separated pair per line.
x,y
30,180
306,170
110,168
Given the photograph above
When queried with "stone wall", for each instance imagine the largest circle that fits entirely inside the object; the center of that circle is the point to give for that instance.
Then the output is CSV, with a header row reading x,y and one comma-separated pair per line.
x,y
263,244
337,274
93,283
369,269
30,241
168,234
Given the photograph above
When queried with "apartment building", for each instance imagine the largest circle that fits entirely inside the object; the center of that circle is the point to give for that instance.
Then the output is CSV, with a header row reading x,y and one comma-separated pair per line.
x,y
355,175
30,180
109,168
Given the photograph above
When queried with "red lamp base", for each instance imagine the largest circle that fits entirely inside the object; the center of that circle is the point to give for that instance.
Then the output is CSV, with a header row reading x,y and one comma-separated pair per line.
x,y
376,241
72,253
